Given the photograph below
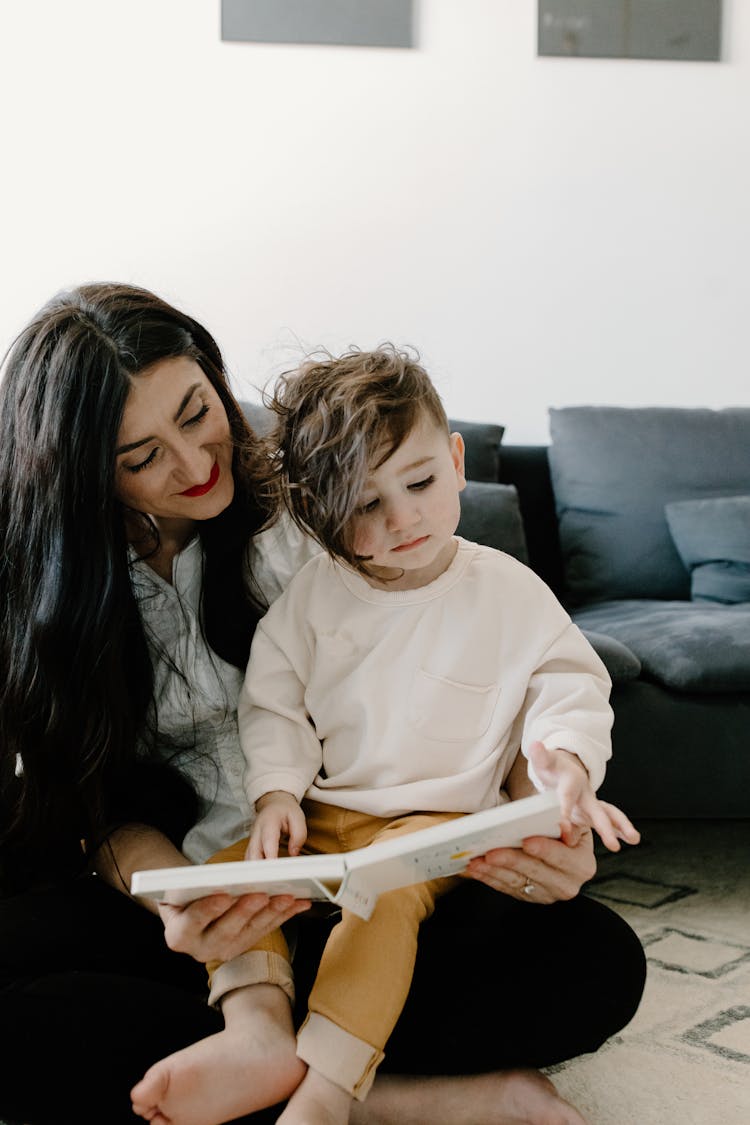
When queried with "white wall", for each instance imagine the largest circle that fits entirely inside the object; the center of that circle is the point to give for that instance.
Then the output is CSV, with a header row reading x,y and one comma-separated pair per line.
x,y
545,231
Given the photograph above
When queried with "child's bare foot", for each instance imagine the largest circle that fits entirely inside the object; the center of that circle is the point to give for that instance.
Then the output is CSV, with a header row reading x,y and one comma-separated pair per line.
x,y
510,1097
249,1065
317,1101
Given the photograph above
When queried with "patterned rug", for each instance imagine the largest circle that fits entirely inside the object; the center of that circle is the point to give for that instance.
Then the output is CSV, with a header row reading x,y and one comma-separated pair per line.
x,y
685,1057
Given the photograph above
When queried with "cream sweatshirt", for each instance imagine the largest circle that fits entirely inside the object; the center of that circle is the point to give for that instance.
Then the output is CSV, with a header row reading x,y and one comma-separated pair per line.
x,y
388,702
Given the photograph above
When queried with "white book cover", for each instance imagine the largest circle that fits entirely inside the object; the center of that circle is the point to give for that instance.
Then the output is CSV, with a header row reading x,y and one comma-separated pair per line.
x,y
355,879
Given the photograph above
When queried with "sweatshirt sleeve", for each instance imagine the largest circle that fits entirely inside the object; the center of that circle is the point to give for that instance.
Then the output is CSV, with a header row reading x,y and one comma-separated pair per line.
x,y
567,704
278,739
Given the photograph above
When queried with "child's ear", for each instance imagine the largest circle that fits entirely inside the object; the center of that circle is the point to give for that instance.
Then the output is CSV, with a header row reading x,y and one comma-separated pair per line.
x,y
458,450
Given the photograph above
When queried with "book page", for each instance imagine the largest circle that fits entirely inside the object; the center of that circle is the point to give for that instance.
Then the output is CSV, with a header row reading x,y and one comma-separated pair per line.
x,y
314,877
443,850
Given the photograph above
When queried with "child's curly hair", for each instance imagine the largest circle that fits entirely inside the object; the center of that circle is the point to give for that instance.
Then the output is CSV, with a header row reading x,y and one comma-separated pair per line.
x,y
338,418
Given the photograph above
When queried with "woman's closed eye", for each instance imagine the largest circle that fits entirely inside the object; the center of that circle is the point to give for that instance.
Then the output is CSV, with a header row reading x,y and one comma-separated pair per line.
x,y
195,420
141,464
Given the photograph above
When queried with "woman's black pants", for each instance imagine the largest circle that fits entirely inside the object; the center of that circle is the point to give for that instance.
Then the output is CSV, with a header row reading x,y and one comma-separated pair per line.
x,y
90,996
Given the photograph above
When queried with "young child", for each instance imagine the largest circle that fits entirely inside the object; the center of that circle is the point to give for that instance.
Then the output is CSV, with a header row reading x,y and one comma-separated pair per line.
x,y
401,670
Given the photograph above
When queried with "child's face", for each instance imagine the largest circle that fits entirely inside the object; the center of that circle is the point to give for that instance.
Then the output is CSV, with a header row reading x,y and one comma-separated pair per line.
x,y
409,510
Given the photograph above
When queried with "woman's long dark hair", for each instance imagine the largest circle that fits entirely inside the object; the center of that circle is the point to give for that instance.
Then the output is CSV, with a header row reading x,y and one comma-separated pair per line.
x,y
75,674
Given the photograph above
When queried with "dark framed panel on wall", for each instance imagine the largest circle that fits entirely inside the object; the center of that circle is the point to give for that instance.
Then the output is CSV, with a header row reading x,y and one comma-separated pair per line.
x,y
631,29
354,23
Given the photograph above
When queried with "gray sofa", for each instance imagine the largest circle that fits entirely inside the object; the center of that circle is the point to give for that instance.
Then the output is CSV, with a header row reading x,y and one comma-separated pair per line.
x,y
639,520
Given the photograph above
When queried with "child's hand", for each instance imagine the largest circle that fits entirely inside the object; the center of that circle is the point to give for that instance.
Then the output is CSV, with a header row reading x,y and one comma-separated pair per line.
x,y
279,814
564,772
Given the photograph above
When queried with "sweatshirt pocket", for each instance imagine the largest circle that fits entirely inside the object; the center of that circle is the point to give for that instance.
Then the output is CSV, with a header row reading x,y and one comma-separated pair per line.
x,y
448,711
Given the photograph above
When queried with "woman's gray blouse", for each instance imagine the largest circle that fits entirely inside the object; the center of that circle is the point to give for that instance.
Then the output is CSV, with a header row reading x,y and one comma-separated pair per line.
x,y
195,690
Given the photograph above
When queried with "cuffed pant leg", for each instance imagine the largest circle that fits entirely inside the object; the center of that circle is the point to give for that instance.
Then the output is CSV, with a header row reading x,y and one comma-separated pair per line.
x,y
257,966
337,1055
268,962
366,969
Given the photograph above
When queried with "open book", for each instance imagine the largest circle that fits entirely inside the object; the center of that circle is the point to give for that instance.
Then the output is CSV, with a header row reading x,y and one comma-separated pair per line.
x,y
355,879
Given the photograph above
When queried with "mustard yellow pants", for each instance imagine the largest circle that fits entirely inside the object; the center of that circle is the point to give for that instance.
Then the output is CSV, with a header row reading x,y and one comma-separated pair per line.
x,y
366,969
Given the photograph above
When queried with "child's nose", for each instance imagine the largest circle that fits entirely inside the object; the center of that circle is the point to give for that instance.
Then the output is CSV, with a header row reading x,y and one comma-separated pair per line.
x,y
401,514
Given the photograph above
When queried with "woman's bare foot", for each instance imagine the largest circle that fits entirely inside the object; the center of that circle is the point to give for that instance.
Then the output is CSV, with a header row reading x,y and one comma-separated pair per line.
x,y
317,1101
249,1065
510,1097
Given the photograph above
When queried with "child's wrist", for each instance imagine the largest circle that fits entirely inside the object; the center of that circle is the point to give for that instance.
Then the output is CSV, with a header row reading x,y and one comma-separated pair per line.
x,y
570,756
274,797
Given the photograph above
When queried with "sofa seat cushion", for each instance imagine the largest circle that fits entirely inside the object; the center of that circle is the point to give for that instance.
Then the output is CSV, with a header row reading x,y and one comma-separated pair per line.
x,y
621,663
713,538
687,646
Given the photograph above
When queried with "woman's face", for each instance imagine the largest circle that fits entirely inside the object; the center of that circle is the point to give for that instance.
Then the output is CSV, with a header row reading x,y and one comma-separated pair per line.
x,y
174,447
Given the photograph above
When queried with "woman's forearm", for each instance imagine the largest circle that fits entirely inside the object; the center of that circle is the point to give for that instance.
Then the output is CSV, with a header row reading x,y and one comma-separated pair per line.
x,y
218,927
135,847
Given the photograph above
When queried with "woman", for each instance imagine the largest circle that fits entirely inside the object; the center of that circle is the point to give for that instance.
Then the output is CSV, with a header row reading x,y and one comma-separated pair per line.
x,y
133,567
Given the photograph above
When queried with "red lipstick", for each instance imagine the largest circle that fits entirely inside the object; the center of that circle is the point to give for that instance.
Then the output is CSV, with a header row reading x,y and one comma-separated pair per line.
x,y
202,489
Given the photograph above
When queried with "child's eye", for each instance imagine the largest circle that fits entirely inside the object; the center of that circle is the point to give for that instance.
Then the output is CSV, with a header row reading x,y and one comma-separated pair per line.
x,y
370,506
419,485
142,464
197,417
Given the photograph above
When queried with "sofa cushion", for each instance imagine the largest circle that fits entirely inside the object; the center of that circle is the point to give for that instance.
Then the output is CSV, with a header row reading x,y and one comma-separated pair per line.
x,y
614,469
482,441
688,646
713,538
490,514
617,658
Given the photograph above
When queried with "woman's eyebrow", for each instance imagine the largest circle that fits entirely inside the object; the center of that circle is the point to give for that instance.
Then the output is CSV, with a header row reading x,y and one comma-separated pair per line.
x,y
142,441
185,400
131,445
